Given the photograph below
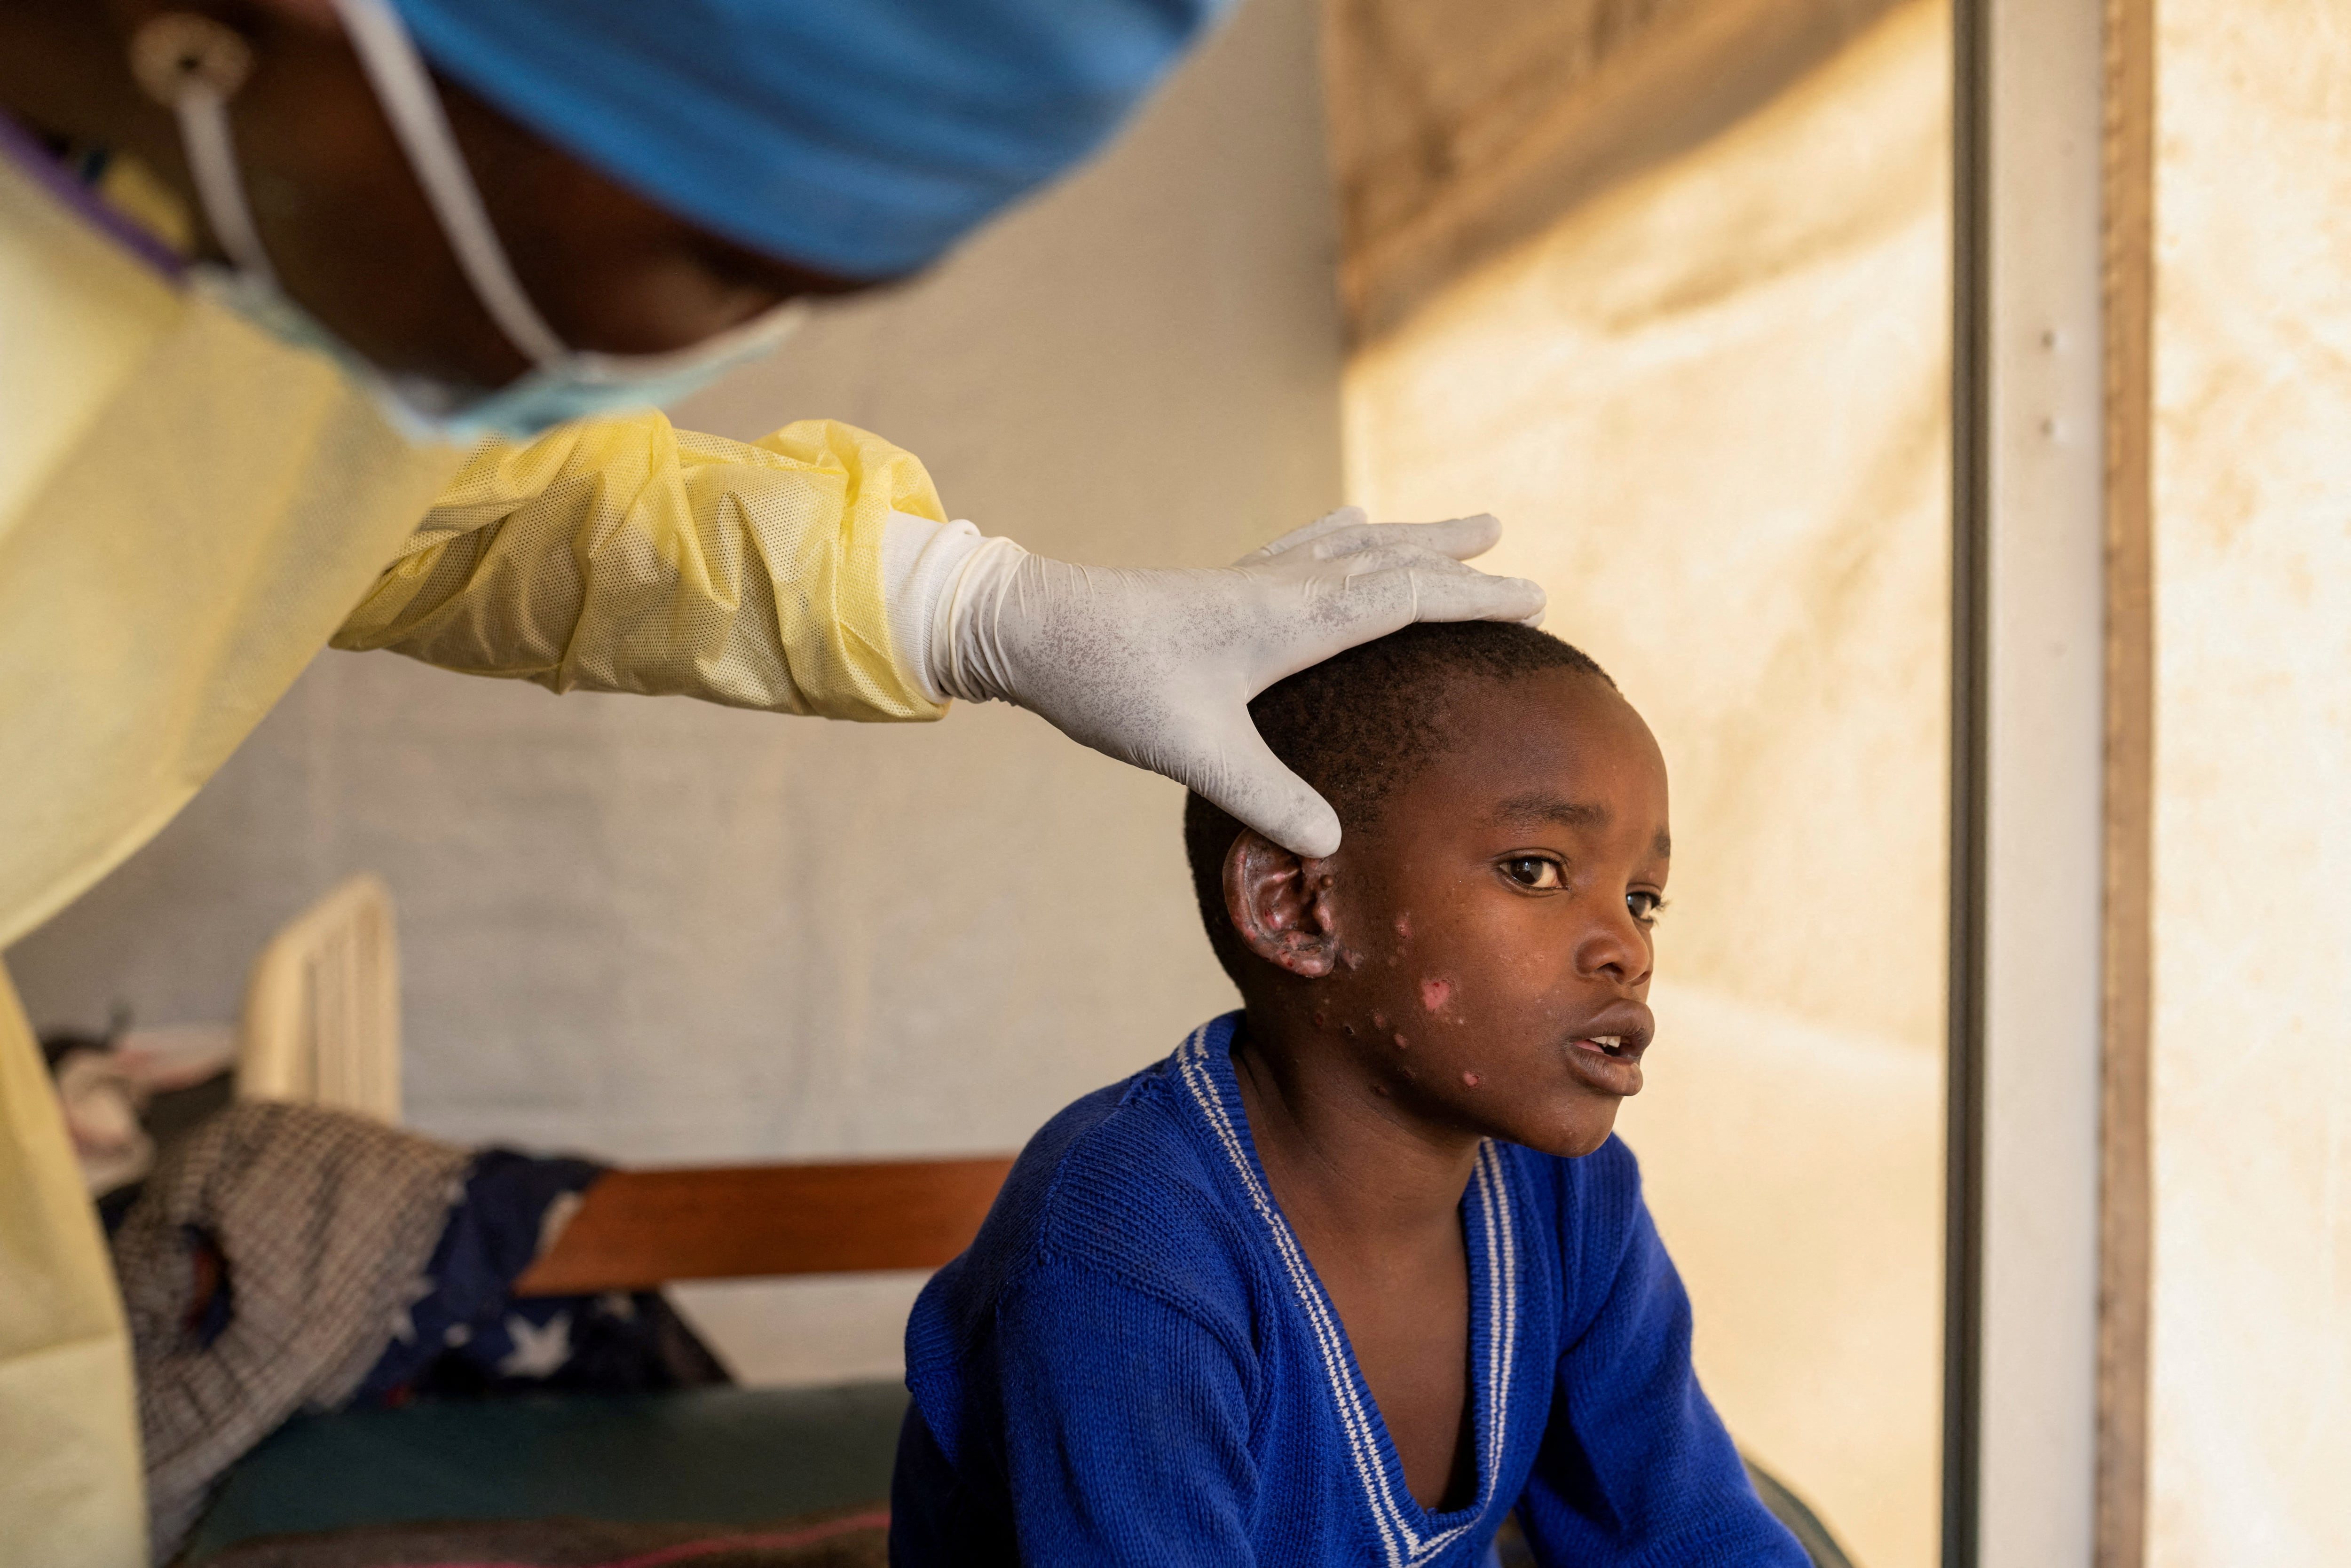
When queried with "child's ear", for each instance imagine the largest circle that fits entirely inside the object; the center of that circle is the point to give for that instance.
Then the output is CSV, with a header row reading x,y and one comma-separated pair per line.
x,y
1280,906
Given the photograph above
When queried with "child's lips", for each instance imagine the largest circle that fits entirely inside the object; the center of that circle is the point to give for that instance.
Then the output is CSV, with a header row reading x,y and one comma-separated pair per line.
x,y
1608,1058
1622,1046
1603,1072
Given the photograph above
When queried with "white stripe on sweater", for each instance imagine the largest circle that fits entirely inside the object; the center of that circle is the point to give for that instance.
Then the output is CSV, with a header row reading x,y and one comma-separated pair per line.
x,y
1362,1449
1355,1419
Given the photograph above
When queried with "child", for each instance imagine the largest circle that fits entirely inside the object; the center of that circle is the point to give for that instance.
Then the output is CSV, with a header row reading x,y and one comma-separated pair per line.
x,y
1360,1269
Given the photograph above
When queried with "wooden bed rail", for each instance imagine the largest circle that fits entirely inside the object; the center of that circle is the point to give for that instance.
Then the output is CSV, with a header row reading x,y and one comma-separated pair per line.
x,y
636,1230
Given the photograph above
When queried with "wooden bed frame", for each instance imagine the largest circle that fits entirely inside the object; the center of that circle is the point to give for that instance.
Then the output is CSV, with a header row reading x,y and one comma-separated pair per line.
x,y
637,1229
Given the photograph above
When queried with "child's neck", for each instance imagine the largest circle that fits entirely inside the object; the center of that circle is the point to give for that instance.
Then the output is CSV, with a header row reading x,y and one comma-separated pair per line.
x,y
1374,1195
1346,1161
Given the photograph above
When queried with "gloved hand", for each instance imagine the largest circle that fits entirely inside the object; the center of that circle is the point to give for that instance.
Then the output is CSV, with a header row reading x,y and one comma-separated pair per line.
x,y
1157,668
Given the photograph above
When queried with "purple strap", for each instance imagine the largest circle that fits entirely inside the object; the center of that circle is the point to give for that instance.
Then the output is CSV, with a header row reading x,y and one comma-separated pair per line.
x,y
19,147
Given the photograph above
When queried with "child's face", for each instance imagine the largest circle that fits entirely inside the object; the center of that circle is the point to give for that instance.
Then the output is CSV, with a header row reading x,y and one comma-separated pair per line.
x,y
1491,931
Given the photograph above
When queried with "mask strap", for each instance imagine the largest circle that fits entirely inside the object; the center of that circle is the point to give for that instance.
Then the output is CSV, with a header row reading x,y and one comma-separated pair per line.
x,y
405,89
192,66
211,159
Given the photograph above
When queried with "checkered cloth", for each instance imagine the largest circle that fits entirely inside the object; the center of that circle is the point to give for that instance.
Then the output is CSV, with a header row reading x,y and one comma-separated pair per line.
x,y
329,1219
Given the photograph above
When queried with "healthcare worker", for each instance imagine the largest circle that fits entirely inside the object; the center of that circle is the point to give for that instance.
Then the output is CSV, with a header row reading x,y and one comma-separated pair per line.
x,y
291,323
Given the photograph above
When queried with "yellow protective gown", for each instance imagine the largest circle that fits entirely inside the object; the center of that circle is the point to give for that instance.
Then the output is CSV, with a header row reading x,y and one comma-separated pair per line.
x,y
188,510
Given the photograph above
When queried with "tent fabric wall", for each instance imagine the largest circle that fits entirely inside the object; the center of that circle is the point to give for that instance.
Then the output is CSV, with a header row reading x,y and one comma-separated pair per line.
x,y
1459,130
1712,407
2250,1433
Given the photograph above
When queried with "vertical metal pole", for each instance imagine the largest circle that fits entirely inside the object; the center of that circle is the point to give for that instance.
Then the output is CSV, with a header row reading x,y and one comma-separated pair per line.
x,y
1963,1178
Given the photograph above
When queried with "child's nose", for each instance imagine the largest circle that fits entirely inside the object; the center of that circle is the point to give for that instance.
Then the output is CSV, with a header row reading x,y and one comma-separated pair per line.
x,y
1615,948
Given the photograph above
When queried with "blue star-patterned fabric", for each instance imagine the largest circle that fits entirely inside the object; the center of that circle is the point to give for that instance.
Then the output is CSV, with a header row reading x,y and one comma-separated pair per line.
x,y
464,1332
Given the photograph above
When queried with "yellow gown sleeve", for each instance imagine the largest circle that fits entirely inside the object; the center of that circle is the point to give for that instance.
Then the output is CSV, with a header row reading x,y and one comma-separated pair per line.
x,y
70,1470
625,554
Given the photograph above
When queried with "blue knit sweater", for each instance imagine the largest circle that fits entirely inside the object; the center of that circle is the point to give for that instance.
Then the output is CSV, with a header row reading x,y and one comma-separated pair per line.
x,y
1134,1364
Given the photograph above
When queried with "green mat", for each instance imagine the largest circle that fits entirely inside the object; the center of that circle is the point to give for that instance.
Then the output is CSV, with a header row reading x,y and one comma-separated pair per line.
x,y
705,1455
742,1457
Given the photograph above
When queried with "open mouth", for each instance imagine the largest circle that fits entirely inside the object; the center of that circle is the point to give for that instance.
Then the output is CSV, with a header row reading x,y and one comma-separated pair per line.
x,y
1624,1047
1606,1053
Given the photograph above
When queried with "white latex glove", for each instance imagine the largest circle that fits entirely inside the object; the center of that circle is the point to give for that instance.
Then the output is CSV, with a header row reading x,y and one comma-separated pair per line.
x,y
1157,668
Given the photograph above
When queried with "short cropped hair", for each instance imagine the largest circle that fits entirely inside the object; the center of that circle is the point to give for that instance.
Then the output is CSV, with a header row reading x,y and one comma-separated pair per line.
x,y
1361,725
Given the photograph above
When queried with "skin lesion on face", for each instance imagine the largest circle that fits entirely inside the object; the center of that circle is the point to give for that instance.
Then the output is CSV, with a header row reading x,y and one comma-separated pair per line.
x,y
1507,892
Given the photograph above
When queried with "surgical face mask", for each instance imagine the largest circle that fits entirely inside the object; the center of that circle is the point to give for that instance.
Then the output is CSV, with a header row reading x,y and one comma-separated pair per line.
x,y
579,386
195,65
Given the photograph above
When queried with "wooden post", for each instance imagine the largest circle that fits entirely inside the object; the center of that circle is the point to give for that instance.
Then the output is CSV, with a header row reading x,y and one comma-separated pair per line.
x,y
2125,1196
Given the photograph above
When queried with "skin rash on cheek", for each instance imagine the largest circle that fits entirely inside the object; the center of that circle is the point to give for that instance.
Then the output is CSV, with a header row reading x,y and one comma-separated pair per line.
x,y
1434,994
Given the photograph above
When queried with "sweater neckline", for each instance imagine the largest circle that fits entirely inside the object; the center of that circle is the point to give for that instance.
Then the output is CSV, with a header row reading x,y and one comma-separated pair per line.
x,y
1409,1535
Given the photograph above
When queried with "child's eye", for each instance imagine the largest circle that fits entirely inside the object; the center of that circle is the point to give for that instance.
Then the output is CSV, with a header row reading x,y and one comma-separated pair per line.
x,y
1538,872
1645,906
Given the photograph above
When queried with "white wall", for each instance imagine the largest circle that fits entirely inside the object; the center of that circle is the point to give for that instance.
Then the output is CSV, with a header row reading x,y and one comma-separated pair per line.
x,y
2251,1375
665,932
1712,405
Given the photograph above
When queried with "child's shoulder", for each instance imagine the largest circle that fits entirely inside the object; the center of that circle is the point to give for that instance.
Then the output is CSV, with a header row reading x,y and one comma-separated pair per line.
x,y
1120,1183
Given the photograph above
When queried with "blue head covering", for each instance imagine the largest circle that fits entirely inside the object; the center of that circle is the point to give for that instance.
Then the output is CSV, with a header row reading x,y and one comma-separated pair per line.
x,y
858,137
